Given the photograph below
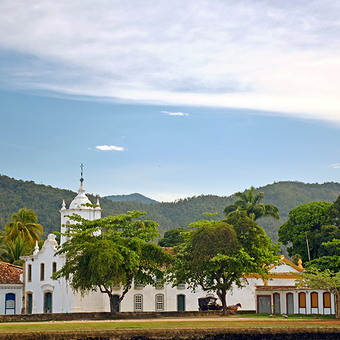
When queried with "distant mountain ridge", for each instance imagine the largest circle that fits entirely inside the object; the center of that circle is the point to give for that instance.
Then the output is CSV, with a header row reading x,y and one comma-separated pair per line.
x,y
131,197
47,201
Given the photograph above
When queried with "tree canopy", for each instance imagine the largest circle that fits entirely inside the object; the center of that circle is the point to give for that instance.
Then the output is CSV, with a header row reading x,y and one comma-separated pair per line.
x,y
249,202
311,221
12,250
122,244
218,254
24,223
172,238
19,236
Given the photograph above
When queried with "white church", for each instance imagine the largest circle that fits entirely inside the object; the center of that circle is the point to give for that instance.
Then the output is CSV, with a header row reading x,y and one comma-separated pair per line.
x,y
36,292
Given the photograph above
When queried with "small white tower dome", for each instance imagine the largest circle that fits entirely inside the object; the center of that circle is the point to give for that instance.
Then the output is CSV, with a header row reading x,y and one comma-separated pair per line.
x,y
81,199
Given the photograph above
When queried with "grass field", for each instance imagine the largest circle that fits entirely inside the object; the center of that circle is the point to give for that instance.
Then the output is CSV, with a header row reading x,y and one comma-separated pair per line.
x,y
245,321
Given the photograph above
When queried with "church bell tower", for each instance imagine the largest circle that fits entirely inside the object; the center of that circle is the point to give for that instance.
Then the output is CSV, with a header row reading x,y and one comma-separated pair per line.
x,y
78,206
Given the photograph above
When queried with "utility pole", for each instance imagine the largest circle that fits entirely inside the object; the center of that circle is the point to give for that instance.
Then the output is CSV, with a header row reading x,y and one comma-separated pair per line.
x,y
307,246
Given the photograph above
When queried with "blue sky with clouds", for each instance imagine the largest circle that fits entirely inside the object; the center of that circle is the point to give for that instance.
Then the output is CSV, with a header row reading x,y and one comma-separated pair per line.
x,y
169,98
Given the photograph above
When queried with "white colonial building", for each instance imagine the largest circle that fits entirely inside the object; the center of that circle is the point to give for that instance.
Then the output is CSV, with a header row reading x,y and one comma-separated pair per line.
x,y
11,288
44,295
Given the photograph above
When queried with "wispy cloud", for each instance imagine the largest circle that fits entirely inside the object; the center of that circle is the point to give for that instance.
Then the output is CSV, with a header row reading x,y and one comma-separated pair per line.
x,y
109,148
335,166
264,55
175,113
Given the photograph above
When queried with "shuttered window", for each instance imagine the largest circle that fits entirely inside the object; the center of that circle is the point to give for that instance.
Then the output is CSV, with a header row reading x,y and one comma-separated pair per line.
x,y
138,302
302,300
159,302
326,300
314,300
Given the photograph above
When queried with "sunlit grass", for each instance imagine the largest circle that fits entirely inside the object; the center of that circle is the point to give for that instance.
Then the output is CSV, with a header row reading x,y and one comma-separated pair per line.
x,y
223,322
291,316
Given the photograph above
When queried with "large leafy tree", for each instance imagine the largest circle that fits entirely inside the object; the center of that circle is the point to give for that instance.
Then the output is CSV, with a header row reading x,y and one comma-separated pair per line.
x,y
308,227
334,212
251,203
172,238
218,254
112,251
25,224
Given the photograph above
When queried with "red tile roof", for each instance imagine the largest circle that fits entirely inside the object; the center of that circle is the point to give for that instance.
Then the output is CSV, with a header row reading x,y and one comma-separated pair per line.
x,y
9,273
279,287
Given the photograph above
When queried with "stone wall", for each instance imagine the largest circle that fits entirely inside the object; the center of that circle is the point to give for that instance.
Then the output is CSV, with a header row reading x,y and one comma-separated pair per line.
x,y
184,334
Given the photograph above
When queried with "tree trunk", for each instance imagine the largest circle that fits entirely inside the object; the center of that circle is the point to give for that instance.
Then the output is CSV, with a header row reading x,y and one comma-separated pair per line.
x,y
113,306
24,309
337,305
222,296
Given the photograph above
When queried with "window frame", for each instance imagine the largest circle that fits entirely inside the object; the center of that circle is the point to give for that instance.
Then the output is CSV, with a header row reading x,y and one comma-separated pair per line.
x,y
29,273
42,271
159,305
314,300
302,300
138,303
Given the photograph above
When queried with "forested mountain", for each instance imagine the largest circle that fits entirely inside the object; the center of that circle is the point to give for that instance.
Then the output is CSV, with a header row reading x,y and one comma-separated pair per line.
x,y
46,201
131,197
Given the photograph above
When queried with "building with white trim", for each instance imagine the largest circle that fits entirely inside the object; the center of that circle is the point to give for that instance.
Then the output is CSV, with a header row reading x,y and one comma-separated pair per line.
x,y
11,288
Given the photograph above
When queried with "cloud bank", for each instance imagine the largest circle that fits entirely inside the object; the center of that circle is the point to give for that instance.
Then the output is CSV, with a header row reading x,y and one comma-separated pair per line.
x,y
109,148
264,55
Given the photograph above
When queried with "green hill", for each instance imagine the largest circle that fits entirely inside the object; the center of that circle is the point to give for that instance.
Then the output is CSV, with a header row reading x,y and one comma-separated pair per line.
x,y
131,197
46,201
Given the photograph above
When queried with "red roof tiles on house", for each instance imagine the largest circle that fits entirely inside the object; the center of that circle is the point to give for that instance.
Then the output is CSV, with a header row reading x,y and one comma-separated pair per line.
x,y
9,273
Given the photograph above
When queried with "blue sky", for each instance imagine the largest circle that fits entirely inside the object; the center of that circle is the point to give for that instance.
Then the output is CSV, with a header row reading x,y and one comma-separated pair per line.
x,y
197,97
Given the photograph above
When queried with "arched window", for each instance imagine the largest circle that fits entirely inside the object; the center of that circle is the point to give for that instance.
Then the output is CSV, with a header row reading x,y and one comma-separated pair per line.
x,y
314,300
302,300
138,303
10,303
159,283
326,300
42,271
159,302
29,273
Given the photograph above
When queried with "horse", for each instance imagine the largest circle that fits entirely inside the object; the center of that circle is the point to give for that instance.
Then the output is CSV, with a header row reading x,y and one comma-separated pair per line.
x,y
234,307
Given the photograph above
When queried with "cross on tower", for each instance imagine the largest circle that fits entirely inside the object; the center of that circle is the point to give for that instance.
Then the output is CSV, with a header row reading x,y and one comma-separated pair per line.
x,y
81,173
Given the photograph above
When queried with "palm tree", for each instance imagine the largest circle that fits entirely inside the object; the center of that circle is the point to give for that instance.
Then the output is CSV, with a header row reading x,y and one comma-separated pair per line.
x,y
11,250
24,223
250,203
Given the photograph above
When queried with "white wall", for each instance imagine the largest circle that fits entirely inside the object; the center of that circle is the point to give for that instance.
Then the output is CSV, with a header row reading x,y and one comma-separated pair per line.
x,y
16,289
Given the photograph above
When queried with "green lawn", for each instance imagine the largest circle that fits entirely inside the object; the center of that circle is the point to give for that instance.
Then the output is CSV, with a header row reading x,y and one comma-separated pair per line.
x,y
292,316
249,321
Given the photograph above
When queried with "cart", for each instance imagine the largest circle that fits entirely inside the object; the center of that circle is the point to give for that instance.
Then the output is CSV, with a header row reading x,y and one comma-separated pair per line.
x,y
208,303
